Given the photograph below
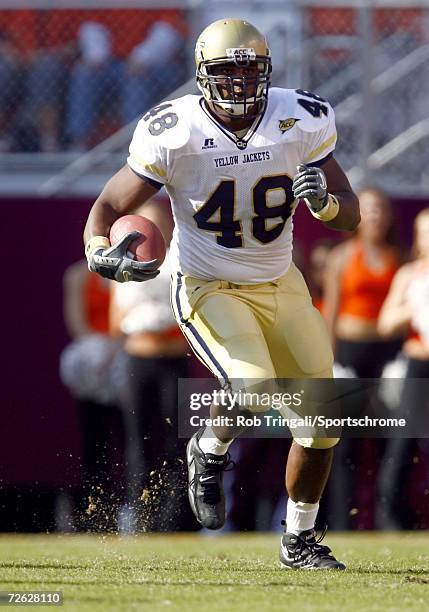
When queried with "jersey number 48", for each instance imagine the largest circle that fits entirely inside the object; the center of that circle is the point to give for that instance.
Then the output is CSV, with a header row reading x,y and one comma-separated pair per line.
x,y
221,204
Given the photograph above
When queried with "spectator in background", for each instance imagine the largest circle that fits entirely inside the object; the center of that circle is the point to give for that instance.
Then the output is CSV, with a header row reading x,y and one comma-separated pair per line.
x,y
90,367
41,118
11,73
153,70
141,314
94,87
358,277
406,311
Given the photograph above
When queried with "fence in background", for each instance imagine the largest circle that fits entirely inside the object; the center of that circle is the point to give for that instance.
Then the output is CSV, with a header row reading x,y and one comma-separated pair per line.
x,y
73,80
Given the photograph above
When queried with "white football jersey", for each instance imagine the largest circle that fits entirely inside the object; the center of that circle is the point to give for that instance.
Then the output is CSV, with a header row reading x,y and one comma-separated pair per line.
x,y
232,197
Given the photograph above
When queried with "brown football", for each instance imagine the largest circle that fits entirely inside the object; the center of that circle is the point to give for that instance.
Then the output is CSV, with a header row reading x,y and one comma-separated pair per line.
x,y
151,243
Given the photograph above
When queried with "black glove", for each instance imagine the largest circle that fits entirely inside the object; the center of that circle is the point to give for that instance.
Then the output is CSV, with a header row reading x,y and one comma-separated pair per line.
x,y
114,264
310,185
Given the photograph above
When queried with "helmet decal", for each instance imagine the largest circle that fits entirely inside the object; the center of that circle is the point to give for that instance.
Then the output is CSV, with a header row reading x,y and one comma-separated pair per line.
x,y
241,57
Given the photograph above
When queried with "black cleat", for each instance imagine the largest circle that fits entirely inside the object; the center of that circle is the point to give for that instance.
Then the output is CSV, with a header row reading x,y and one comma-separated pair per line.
x,y
205,474
305,552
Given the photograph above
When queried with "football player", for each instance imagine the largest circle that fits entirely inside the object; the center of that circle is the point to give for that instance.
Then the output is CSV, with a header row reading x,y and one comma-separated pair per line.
x,y
235,161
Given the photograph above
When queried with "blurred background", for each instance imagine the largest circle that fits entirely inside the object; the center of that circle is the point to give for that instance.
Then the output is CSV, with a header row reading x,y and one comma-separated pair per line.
x,y
88,405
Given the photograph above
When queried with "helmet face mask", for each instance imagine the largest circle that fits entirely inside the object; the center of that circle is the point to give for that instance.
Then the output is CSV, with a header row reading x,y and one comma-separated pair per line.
x,y
233,68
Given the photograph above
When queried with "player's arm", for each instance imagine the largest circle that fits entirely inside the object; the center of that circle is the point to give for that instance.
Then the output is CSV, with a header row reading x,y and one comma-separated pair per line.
x,y
396,313
124,192
328,195
348,216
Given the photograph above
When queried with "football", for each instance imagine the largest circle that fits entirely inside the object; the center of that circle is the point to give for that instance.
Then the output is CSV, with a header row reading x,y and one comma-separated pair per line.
x,y
150,245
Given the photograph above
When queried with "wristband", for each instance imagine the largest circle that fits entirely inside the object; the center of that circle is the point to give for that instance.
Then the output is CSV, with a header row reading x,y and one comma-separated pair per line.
x,y
96,242
329,211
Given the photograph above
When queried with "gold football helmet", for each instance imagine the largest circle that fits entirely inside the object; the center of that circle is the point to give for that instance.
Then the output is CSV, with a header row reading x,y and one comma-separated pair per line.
x,y
233,67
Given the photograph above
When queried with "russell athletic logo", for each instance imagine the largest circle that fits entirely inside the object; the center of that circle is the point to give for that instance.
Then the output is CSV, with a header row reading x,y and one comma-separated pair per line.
x,y
209,144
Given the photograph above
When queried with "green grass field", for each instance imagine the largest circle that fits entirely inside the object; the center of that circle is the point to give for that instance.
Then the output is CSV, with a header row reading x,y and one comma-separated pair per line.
x,y
226,573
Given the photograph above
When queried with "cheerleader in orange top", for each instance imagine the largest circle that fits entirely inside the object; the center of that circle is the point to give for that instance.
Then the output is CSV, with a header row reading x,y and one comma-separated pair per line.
x,y
358,277
86,301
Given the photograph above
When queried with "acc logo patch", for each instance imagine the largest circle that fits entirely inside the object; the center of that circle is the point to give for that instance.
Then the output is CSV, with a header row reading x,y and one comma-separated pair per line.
x,y
241,56
286,124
